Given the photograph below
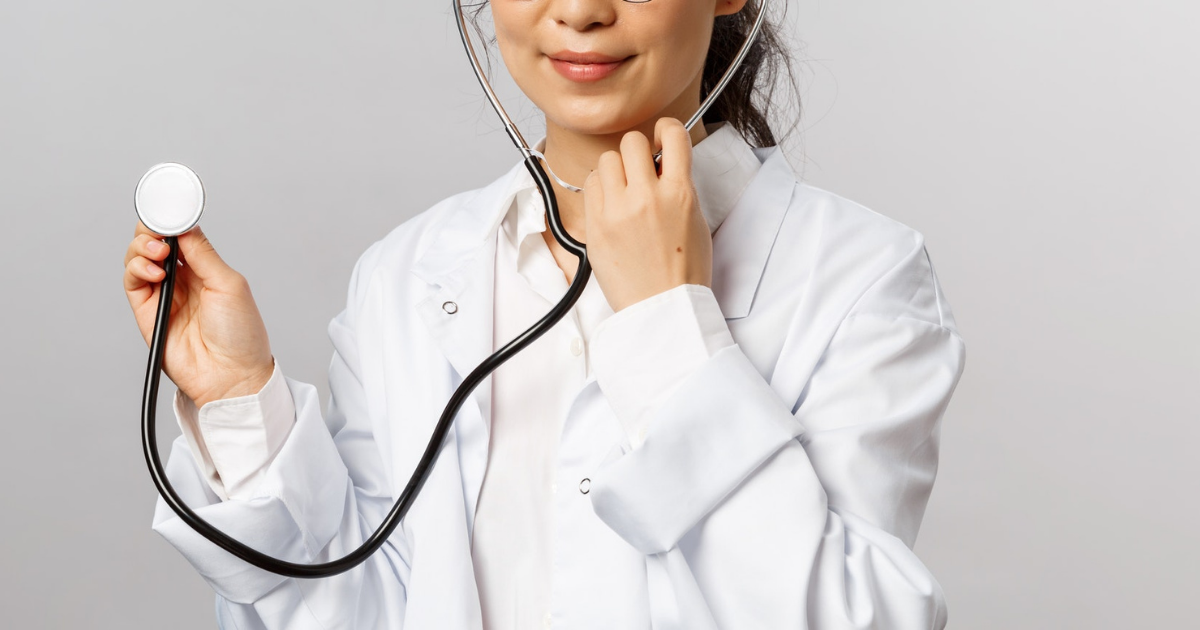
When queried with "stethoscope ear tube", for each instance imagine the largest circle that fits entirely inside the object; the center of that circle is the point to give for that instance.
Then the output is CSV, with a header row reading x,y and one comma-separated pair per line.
x,y
158,343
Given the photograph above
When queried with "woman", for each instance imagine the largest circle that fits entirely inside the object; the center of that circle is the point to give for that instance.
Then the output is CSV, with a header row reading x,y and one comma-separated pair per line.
x,y
736,426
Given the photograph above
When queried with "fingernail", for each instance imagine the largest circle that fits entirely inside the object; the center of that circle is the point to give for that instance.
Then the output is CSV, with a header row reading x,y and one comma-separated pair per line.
x,y
152,269
155,247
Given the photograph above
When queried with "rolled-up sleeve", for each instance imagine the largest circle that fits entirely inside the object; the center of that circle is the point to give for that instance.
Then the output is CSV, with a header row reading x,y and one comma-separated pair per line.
x,y
840,477
642,353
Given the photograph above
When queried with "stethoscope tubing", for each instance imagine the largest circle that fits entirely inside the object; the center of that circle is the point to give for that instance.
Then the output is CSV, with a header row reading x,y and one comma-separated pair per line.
x,y
420,473
461,393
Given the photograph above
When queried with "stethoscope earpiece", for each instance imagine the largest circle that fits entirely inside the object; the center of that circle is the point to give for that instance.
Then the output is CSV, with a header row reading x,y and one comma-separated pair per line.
x,y
169,199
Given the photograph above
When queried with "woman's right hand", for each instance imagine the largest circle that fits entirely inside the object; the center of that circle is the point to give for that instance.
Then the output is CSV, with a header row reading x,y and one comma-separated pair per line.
x,y
217,344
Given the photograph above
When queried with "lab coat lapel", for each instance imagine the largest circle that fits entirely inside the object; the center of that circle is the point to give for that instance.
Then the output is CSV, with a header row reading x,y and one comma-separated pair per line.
x,y
455,306
744,239
457,309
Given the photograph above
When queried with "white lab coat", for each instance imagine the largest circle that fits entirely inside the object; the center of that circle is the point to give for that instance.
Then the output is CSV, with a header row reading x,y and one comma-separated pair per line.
x,y
781,486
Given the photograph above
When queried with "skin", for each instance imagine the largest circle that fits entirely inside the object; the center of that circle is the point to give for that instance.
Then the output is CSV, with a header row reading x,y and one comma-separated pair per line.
x,y
644,232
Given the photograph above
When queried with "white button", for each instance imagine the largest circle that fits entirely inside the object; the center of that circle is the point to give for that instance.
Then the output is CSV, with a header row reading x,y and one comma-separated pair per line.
x,y
546,620
577,346
642,433
554,488
585,485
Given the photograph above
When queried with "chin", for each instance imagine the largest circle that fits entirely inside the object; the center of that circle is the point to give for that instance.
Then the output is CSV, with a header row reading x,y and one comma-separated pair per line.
x,y
598,117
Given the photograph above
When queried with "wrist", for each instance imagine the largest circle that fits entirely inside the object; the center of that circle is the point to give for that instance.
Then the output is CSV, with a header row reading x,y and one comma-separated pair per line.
x,y
249,385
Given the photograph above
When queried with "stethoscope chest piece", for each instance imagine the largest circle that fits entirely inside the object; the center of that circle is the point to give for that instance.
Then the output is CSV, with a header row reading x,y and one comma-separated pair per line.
x,y
169,199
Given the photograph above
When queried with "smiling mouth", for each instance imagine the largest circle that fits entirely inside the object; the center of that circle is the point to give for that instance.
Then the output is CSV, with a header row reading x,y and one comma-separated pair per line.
x,y
585,67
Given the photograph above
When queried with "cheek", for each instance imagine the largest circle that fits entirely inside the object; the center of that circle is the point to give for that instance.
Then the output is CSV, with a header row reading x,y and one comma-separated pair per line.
x,y
519,52
677,56
687,43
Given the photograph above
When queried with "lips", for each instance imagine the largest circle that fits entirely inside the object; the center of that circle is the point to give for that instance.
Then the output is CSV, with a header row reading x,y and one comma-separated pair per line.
x,y
585,67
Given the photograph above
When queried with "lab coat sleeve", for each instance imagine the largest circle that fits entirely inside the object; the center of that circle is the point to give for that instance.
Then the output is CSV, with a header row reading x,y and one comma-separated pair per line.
x,y
233,440
837,479
322,494
642,353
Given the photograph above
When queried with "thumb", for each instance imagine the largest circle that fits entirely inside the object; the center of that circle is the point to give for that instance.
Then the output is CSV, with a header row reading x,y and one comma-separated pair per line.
x,y
199,254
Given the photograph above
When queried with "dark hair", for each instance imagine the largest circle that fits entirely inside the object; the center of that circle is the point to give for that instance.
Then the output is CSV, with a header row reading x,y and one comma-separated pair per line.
x,y
749,99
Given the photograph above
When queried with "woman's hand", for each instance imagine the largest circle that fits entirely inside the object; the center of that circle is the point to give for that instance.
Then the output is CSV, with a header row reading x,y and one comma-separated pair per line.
x,y
217,343
645,232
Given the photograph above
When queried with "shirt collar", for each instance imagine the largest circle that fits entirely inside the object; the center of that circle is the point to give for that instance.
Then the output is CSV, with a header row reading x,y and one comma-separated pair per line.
x,y
723,165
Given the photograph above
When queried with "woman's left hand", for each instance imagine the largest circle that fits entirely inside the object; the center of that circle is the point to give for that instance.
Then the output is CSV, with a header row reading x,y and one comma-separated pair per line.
x,y
645,231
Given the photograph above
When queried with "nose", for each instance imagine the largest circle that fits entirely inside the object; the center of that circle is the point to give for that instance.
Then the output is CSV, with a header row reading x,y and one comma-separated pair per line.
x,y
584,15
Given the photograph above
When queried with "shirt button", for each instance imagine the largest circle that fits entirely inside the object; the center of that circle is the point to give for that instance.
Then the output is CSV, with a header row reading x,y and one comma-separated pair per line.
x,y
577,346
450,307
546,619
553,488
585,485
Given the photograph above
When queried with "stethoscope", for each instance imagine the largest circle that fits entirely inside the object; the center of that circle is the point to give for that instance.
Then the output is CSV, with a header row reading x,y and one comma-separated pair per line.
x,y
169,200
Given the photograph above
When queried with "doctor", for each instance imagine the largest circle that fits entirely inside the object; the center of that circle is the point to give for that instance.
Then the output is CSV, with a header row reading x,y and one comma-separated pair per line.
x,y
735,427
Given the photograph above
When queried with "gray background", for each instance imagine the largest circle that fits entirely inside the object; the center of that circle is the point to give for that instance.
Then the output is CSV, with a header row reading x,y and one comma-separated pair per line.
x,y
1047,149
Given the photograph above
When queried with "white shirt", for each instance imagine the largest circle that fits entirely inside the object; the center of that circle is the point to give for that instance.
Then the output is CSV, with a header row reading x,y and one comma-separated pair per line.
x,y
673,333
780,485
